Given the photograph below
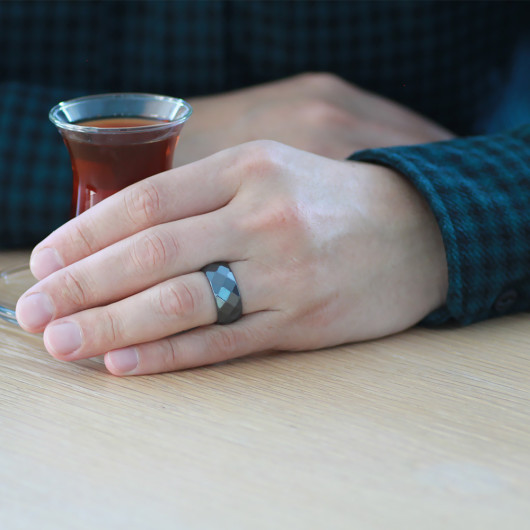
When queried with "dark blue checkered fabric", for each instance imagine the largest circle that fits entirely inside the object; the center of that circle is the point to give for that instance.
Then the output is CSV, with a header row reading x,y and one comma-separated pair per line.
x,y
463,64
479,190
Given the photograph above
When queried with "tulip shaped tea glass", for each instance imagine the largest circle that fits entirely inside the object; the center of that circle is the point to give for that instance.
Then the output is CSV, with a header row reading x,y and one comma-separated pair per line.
x,y
113,140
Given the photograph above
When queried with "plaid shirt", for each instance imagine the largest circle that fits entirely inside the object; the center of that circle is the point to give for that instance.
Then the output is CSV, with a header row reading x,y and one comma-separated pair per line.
x,y
463,64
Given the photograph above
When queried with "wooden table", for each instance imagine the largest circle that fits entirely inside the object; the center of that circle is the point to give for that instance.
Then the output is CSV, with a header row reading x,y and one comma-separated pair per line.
x,y
423,430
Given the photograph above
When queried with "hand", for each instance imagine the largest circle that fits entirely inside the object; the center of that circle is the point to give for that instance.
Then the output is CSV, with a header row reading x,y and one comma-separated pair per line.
x,y
324,252
319,113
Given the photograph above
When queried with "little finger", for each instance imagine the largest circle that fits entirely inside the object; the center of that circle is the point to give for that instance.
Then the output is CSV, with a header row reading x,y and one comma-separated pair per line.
x,y
198,347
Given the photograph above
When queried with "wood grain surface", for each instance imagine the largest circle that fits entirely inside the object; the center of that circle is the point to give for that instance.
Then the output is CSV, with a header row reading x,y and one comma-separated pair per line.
x,y
428,429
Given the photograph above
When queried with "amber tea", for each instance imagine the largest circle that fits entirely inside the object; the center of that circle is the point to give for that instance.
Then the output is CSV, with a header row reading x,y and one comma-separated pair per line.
x,y
102,167
115,140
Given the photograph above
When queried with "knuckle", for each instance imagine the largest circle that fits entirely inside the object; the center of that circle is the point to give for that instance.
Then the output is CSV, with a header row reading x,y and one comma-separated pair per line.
x,y
152,251
142,203
259,158
279,216
75,291
83,236
113,330
225,340
322,82
284,214
323,113
178,300
170,356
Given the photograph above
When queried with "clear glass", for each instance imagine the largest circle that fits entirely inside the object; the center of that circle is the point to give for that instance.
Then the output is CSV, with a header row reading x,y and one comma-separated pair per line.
x,y
113,140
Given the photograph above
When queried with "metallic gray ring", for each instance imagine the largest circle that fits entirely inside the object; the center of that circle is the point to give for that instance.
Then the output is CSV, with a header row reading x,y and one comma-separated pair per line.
x,y
225,292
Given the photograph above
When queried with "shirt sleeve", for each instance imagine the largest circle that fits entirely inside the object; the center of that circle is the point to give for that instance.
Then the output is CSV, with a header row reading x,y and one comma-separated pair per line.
x,y
479,191
35,174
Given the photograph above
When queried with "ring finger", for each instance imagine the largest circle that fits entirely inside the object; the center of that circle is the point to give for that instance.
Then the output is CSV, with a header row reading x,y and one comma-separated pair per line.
x,y
168,308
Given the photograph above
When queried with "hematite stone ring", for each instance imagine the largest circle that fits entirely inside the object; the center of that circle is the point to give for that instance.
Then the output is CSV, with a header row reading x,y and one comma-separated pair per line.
x,y
225,292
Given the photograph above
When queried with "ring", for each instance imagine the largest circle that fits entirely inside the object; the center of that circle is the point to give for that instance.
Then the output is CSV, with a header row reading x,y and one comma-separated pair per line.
x,y
225,292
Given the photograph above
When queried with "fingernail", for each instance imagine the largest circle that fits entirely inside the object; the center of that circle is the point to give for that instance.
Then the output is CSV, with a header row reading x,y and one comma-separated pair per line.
x,y
122,361
44,262
63,338
35,310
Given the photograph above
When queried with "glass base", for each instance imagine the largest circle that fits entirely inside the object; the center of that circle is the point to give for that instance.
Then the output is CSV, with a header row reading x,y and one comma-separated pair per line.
x,y
14,283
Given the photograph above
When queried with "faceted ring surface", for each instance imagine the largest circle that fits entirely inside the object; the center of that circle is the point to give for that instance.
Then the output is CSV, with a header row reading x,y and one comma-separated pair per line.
x,y
225,292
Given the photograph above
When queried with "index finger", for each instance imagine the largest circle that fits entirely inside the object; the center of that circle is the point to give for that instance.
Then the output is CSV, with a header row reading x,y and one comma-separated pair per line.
x,y
186,191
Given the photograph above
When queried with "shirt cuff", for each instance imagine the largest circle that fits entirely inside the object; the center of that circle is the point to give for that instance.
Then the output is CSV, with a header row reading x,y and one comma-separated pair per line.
x,y
479,191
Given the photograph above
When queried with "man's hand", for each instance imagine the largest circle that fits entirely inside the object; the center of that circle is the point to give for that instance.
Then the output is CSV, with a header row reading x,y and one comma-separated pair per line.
x,y
324,252
319,113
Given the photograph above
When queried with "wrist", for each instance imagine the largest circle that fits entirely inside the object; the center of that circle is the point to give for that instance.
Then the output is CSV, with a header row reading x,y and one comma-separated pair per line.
x,y
407,221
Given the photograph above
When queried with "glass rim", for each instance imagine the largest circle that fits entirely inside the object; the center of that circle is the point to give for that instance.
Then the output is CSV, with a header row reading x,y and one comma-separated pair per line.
x,y
52,115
